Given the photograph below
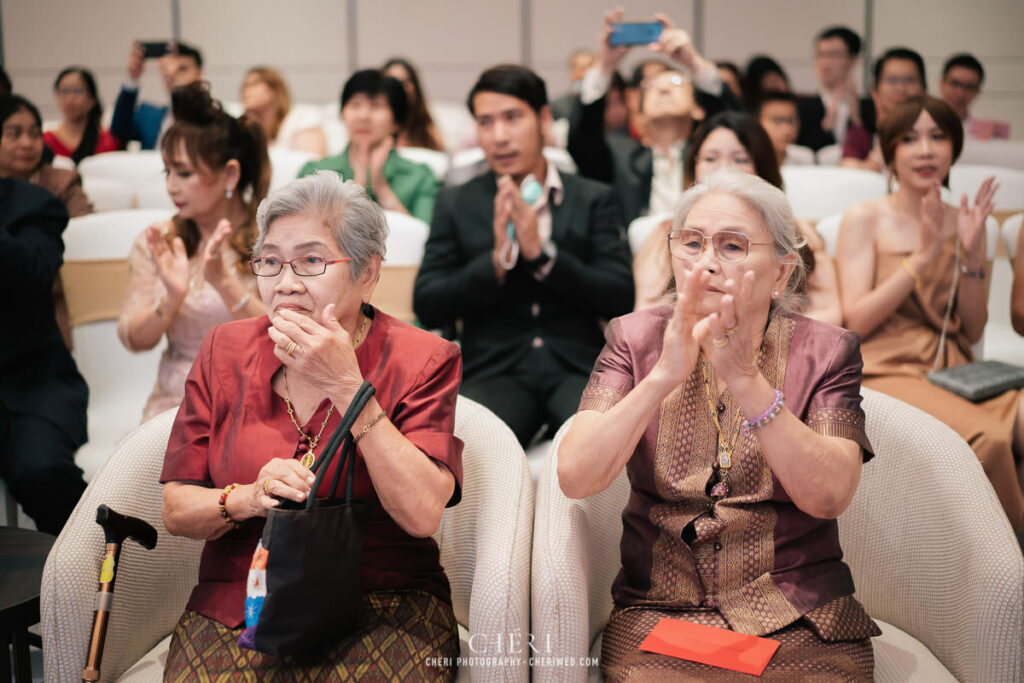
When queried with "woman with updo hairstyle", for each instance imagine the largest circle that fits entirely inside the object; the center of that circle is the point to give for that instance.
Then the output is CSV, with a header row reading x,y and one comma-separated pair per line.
x,y
80,133
419,129
266,99
736,140
914,283
191,273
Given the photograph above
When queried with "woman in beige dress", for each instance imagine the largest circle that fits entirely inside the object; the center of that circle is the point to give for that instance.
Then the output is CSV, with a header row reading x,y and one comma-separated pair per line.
x,y
902,258
192,273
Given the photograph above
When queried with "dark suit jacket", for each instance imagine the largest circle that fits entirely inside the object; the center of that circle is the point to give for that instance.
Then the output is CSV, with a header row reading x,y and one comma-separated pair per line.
x,y
37,375
811,109
591,278
619,159
142,123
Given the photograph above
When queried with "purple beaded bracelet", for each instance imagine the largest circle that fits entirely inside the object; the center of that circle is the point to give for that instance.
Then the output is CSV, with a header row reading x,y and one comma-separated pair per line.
x,y
767,416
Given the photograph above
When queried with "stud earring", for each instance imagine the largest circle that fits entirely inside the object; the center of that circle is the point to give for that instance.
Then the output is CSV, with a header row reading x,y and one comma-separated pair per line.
x,y
230,192
775,294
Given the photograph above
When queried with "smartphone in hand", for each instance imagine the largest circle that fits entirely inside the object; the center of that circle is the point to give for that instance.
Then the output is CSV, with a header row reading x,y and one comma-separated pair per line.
x,y
155,49
635,33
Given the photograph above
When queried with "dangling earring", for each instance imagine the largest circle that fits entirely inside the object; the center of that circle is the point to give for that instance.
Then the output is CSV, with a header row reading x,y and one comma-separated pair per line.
x,y
230,192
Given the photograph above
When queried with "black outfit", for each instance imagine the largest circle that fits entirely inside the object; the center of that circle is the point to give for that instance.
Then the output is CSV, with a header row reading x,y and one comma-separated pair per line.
x,y
619,159
528,345
42,396
562,107
811,109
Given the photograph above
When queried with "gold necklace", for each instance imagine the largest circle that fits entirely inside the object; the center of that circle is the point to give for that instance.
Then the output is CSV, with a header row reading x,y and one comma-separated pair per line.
x,y
306,442
361,334
725,447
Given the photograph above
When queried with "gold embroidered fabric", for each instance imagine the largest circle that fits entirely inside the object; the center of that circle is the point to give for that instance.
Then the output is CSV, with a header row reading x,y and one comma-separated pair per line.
x,y
842,619
599,397
841,422
728,563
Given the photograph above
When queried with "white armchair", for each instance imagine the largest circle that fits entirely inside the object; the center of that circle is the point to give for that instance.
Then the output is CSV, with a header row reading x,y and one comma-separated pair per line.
x,y
484,542
932,555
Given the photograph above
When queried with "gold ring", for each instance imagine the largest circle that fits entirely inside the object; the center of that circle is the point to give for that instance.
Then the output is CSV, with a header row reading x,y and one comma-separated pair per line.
x,y
719,343
266,484
291,349
731,330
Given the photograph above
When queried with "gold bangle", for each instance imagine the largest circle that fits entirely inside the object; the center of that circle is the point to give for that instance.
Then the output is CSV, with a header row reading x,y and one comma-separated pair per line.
x,y
910,270
222,506
369,425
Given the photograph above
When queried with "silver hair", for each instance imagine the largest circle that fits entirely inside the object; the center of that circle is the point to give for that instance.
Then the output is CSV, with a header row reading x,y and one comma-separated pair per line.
x,y
771,204
356,221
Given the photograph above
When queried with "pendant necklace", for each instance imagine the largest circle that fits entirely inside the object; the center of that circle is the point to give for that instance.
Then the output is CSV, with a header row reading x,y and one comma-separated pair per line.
x,y
307,442
726,447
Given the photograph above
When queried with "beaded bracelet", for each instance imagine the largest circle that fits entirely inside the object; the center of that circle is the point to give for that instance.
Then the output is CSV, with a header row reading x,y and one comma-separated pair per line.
x,y
369,425
767,416
222,506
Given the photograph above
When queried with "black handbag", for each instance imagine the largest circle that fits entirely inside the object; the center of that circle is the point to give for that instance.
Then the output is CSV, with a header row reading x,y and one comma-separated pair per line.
x,y
305,588
978,380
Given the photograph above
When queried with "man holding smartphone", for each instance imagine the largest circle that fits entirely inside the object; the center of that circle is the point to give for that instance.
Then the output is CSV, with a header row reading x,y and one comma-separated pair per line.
x,y
528,259
647,177
180,64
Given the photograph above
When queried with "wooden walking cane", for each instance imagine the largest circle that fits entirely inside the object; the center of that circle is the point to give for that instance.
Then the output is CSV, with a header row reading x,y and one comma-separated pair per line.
x,y
116,528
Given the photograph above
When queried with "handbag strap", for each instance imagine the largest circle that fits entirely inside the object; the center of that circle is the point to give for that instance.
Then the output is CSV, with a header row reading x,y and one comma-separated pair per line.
x,y
949,307
342,437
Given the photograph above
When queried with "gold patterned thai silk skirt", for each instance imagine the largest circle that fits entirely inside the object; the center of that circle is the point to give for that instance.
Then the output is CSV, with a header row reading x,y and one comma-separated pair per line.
x,y
802,656
402,637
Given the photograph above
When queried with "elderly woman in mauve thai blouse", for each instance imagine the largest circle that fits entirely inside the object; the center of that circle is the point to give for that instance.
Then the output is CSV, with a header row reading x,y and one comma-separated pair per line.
x,y
740,427
261,402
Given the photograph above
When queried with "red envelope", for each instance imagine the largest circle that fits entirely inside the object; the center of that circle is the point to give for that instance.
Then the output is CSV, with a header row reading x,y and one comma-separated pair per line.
x,y
709,645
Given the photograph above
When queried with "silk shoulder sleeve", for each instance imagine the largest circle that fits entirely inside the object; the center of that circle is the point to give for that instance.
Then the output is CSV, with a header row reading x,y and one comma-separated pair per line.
x,y
834,408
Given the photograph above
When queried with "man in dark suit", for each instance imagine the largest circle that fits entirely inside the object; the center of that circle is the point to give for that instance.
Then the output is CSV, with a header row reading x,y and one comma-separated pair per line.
x,y
529,280
42,396
826,115
648,178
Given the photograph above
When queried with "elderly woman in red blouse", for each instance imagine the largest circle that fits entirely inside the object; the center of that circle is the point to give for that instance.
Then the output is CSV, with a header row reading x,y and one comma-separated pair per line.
x,y
739,424
265,394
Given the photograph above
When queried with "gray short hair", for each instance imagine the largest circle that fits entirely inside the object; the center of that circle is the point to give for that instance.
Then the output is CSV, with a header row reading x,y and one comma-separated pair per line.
x,y
771,204
357,222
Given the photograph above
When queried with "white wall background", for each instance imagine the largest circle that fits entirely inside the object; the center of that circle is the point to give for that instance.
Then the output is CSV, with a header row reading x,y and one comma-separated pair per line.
x,y
453,40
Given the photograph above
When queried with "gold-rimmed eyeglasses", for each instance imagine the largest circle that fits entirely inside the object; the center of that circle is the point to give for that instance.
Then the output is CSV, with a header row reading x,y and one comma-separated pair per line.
x,y
729,246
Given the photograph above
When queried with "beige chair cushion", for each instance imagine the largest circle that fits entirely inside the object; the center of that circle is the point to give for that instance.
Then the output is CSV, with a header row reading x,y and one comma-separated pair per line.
x,y
485,540
94,290
394,291
930,548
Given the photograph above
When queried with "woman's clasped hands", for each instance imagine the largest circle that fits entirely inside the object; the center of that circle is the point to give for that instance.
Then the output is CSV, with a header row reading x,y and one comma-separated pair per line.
x,y
728,335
